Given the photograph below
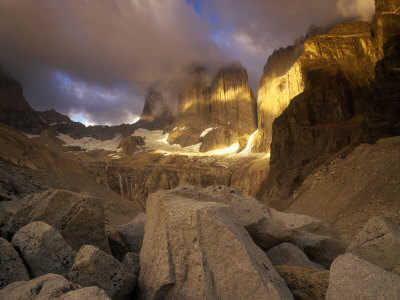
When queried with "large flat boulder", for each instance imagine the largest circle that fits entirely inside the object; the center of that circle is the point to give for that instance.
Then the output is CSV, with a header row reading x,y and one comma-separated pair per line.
x,y
132,233
269,227
199,250
12,267
46,287
78,217
290,254
354,278
379,243
43,249
94,267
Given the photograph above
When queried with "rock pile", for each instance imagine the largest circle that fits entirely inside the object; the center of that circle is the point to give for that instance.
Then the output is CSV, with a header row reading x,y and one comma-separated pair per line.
x,y
193,243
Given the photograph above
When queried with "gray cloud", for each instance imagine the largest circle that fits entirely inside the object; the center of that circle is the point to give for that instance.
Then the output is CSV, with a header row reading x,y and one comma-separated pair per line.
x,y
98,58
252,29
102,44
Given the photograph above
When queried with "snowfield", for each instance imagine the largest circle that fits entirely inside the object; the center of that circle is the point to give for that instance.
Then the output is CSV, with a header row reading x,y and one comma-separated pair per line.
x,y
89,143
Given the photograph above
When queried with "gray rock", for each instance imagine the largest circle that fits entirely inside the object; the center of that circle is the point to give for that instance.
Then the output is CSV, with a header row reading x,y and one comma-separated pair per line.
x,y
46,287
132,263
305,284
78,217
43,249
132,233
199,250
379,243
354,278
289,254
321,249
93,267
88,293
117,245
269,227
11,266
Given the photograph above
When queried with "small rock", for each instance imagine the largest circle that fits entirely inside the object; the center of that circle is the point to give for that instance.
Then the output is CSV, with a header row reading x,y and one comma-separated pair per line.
x,y
379,243
43,249
132,263
132,233
289,254
78,217
117,245
11,266
93,267
88,293
354,278
305,284
46,287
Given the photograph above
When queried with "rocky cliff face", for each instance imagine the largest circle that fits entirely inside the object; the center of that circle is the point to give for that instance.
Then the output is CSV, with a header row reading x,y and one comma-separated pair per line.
x,y
193,110
351,47
156,113
15,110
228,109
282,80
350,96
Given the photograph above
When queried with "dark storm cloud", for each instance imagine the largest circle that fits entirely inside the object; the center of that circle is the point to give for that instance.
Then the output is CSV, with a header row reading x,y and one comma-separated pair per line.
x,y
98,57
101,44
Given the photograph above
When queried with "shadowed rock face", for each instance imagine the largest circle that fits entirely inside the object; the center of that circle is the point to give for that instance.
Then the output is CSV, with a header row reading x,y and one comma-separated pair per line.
x,y
156,113
14,109
228,109
350,96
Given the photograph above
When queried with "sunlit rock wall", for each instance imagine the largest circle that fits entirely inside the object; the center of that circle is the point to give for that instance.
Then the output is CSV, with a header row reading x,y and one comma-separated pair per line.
x,y
350,47
193,110
282,81
232,101
350,97
216,116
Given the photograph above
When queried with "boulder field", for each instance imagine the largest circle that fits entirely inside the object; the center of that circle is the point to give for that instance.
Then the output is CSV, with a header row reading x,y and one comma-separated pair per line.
x,y
193,243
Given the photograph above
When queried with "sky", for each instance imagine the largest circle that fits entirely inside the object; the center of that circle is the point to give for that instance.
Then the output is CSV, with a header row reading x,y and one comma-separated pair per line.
x,y
95,60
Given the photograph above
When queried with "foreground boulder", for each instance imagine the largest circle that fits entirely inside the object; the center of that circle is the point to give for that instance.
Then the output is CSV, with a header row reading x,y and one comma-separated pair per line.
x,y
11,266
269,227
379,243
305,284
132,233
354,278
43,249
289,254
198,250
46,287
89,293
78,217
93,267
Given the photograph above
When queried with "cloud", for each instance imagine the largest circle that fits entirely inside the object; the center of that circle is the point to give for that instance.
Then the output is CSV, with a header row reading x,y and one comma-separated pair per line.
x,y
253,29
102,44
98,58
363,9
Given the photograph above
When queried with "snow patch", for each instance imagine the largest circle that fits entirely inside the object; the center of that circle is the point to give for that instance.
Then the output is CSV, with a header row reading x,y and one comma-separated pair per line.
x,y
205,132
30,136
90,143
